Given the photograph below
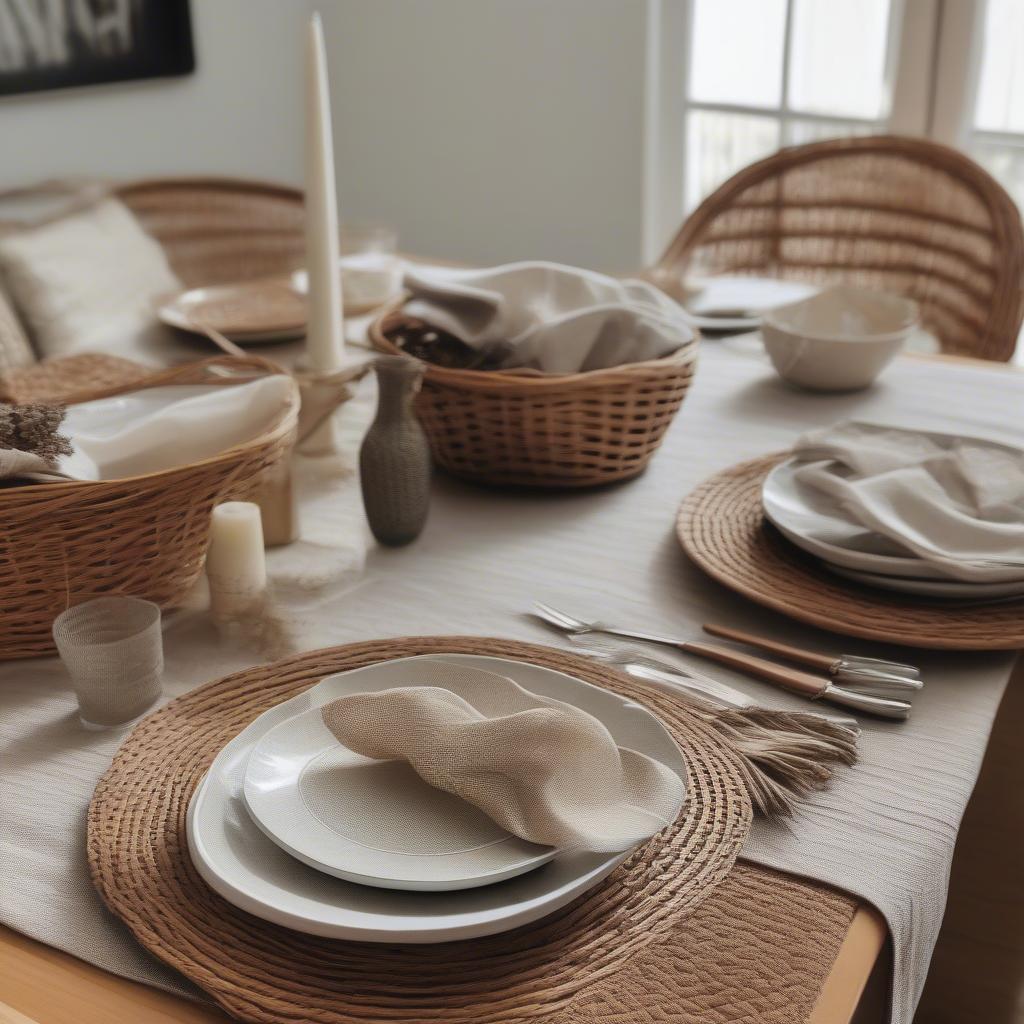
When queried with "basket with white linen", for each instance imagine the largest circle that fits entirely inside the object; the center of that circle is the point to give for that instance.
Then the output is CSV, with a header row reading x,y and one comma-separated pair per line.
x,y
140,535
524,428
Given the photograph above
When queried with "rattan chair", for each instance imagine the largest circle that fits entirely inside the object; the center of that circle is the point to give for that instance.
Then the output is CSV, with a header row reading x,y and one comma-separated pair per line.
x,y
216,230
898,214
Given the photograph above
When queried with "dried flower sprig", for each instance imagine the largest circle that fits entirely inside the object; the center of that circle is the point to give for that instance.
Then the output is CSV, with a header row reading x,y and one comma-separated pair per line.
x,y
34,428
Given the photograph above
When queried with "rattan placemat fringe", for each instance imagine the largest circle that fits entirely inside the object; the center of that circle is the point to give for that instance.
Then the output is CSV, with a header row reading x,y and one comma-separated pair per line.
x,y
262,972
722,528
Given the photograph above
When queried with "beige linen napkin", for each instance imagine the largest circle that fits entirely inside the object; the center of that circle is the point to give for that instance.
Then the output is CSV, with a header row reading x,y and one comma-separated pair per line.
x,y
543,770
19,465
956,502
549,317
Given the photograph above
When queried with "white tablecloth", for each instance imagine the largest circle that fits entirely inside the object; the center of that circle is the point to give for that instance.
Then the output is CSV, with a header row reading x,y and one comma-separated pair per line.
x,y
886,828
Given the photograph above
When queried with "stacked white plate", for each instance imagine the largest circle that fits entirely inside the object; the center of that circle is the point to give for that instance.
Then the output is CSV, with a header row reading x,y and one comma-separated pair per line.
x,y
298,830
817,523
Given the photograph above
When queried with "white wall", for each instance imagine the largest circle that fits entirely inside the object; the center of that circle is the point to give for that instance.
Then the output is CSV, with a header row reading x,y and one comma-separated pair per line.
x,y
494,129
238,114
483,129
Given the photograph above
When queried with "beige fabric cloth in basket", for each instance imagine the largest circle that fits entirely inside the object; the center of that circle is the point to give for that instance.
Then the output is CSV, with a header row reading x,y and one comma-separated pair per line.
x,y
156,429
543,770
549,317
16,464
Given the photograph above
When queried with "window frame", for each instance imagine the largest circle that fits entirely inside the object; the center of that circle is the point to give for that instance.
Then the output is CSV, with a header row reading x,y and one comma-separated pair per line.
x,y
910,63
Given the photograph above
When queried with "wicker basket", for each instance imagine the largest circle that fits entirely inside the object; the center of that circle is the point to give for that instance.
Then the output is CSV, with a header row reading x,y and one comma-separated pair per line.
x,y
145,536
523,429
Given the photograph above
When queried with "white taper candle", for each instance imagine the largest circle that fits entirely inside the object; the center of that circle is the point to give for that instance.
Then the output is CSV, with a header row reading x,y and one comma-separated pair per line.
x,y
325,334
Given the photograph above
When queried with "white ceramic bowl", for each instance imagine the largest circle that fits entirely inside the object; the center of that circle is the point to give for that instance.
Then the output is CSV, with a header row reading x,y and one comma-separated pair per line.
x,y
839,339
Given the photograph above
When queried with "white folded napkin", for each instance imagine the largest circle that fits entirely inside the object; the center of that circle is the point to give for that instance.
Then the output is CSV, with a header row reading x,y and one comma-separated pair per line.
x,y
543,770
549,317
956,502
156,429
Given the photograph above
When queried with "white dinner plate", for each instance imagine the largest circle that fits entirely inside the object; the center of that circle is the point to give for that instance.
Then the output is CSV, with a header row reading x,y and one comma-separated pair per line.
x,y
377,822
955,589
239,862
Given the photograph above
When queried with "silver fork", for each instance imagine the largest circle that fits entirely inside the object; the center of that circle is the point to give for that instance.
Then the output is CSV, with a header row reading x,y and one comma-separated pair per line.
x,y
796,681
641,665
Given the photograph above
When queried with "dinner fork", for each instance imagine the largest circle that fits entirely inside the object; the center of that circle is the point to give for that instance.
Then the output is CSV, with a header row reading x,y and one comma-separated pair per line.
x,y
794,680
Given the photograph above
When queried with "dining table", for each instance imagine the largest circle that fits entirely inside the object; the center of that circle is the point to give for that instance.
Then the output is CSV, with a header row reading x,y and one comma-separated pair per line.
x,y
485,556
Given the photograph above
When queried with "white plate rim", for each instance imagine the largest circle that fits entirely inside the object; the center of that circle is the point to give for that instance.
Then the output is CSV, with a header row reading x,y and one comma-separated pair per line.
x,y
469,924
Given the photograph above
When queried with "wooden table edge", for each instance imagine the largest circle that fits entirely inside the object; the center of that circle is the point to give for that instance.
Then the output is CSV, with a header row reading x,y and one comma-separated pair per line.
x,y
845,983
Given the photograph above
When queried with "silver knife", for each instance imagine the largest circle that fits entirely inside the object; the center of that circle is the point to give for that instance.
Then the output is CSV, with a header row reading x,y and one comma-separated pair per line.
x,y
641,665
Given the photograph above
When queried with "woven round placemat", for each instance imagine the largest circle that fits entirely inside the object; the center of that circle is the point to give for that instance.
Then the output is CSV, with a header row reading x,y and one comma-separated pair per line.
x,y
722,528
262,972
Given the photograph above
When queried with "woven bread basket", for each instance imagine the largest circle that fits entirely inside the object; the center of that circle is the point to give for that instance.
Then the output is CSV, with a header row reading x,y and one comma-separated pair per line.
x,y
144,536
524,428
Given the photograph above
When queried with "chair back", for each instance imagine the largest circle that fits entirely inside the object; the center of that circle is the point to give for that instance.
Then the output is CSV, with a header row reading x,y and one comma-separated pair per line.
x,y
216,230
902,215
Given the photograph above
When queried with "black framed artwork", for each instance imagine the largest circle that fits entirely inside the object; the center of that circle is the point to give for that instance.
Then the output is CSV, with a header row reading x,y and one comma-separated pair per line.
x,y
53,44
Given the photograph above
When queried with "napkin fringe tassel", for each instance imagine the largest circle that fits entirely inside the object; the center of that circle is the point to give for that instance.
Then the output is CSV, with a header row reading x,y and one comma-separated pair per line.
x,y
784,755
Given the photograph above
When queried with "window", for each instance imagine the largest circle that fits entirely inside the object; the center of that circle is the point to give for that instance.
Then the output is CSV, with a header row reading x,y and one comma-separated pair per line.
x,y
731,81
995,136
771,73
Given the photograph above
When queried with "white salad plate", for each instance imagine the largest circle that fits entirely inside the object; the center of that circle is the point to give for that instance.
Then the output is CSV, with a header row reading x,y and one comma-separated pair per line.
x,y
377,822
239,862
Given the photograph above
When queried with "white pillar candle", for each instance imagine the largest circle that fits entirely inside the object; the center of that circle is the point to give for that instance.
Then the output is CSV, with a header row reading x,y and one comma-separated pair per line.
x,y
325,336
235,563
278,509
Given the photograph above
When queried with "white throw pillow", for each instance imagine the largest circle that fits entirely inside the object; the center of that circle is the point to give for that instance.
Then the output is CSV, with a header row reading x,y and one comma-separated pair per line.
x,y
87,282
15,349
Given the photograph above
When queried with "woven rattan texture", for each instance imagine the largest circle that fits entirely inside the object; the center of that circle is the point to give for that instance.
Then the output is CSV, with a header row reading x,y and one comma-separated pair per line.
x,y
143,537
70,379
219,230
722,528
897,214
576,430
261,972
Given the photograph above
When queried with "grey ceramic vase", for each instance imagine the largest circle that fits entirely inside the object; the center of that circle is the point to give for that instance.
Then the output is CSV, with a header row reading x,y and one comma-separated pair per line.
x,y
394,462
